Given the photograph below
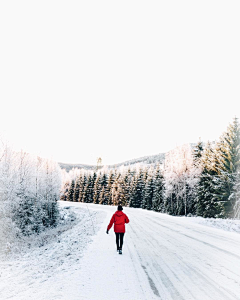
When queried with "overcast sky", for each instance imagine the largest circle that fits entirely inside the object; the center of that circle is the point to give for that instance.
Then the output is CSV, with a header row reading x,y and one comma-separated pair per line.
x,y
117,79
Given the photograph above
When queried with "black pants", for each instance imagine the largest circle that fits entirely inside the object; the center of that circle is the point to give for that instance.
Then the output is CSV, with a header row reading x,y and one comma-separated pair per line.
x,y
119,236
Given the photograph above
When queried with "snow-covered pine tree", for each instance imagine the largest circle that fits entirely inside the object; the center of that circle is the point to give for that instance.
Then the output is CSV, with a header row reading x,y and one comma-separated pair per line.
x,y
91,187
207,205
82,188
71,191
137,187
230,160
127,184
132,198
64,191
144,181
97,189
158,193
123,191
76,189
52,192
108,188
115,192
197,153
147,202
87,190
102,197
236,195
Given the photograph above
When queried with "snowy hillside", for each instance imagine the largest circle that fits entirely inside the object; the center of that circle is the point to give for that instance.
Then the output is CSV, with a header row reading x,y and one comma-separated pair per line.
x,y
164,257
146,160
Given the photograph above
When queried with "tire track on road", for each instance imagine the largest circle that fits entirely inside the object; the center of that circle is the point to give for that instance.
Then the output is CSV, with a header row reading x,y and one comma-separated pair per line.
x,y
205,280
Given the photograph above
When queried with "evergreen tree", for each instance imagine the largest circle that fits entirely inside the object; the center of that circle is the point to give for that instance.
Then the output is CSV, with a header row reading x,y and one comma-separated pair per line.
x,y
76,189
123,191
64,191
91,187
97,189
230,153
127,184
71,191
82,188
108,188
158,193
225,163
115,197
197,153
132,197
136,197
236,195
145,176
148,195
206,204
87,193
102,197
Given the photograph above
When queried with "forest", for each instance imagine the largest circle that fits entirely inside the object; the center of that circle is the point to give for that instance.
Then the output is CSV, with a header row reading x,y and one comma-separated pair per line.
x,y
201,180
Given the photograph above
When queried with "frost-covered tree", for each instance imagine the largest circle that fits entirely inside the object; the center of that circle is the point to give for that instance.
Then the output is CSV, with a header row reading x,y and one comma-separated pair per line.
x,y
29,190
180,177
8,181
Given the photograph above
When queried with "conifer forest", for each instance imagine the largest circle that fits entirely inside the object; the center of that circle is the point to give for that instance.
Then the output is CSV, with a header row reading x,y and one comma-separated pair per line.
x,y
201,180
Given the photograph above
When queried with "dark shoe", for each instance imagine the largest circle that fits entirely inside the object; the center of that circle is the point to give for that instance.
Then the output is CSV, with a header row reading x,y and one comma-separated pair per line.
x,y
120,251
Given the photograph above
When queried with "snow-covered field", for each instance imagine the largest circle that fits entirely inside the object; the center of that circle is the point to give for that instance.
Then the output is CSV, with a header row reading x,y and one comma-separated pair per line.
x,y
163,257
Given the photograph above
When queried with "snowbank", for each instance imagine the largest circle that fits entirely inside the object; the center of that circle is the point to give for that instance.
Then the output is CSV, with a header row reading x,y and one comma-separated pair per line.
x,y
224,224
58,250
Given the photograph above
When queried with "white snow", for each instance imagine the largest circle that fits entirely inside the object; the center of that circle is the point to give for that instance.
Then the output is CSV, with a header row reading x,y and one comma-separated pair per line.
x,y
163,257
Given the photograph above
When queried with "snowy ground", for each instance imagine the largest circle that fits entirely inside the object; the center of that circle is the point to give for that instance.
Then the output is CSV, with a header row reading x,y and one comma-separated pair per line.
x,y
163,257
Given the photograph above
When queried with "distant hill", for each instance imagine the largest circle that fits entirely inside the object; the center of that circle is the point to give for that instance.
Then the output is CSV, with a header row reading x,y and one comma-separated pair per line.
x,y
69,167
146,160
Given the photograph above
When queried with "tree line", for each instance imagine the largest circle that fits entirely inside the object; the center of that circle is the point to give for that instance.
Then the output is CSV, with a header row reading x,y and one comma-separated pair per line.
x,y
203,180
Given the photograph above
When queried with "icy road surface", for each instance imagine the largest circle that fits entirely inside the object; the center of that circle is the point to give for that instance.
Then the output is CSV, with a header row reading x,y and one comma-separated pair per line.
x,y
163,257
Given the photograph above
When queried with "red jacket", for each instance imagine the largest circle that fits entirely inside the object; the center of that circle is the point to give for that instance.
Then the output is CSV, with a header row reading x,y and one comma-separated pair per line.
x,y
119,219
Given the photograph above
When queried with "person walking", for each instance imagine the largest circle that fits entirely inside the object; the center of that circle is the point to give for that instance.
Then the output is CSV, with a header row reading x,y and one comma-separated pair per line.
x,y
118,219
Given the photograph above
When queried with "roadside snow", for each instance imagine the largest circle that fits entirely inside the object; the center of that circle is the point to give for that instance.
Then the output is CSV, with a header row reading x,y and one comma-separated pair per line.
x,y
224,224
32,273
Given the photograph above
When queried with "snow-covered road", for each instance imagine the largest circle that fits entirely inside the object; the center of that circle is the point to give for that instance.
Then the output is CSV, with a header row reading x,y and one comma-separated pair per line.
x,y
163,257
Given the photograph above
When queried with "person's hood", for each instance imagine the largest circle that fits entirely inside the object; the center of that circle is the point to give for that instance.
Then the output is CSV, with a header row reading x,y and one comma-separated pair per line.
x,y
119,213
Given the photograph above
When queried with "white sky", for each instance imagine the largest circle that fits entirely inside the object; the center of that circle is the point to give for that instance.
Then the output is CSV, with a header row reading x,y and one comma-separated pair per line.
x,y
117,79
